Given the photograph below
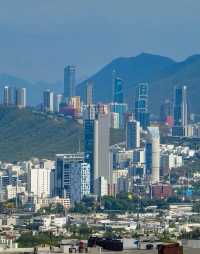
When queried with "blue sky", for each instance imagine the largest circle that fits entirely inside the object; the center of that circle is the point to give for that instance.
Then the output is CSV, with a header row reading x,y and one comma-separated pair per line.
x,y
39,37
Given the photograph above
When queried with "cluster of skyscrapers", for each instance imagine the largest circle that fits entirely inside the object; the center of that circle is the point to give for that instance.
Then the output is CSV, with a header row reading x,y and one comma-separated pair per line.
x,y
101,166
14,96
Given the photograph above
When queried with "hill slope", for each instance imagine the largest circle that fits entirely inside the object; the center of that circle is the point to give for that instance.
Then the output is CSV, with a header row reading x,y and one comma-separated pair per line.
x,y
25,134
162,73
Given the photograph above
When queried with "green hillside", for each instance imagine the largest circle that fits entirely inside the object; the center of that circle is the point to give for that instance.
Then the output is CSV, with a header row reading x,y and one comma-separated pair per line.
x,y
25,134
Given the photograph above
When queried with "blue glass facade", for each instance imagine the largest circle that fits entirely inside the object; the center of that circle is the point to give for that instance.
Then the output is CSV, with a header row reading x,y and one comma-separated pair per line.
x,y
141,105
121,109
89,132
118,91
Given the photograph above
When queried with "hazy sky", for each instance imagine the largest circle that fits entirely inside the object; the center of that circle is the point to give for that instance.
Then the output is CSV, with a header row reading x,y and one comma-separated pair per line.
x,y
39,37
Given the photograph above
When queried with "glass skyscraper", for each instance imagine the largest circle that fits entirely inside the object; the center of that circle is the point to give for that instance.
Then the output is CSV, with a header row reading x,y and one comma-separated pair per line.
x,y
121,109
69,81
141,104
118,90
89,148
180,112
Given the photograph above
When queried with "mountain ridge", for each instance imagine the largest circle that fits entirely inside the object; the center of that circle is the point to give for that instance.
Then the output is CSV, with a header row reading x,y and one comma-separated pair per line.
x,y
163,73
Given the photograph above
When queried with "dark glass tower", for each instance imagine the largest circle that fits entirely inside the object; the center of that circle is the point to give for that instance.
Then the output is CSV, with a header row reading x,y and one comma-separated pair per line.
x,y
118,90
89,149
180,112
69,81
141,104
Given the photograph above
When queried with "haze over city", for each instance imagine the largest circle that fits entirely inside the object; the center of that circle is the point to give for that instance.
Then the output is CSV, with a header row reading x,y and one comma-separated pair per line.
x,y
99,127
38,38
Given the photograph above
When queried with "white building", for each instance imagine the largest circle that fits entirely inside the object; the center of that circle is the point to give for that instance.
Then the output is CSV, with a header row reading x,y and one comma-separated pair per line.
x,y
101,186
20,97
58,98
139,156
41,182
48,100
153,154
11,191
114,118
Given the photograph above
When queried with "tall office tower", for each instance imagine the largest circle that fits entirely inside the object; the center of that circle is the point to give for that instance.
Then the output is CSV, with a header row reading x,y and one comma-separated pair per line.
x,y
102,108
166,116
90,135
75,102
121,109
153,154
20,97
132,135
48,101
141,104
71,174
118,90
101,186
41,182
58,98
89,93
180,112
96,147
7,96
80,181
114,120
89,112
69,81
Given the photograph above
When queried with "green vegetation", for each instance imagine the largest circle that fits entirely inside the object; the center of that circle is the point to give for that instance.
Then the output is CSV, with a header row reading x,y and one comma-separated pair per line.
x,y
28,240
25,134
52,209
123,202
81,231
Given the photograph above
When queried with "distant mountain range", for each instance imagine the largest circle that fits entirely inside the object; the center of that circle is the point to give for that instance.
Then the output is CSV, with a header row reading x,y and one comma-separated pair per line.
x,y
162,73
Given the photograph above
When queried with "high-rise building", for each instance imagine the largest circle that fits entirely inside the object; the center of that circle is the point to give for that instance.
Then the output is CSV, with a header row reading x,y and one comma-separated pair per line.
x,y
90,135
80,181
41,182
101,186
166,115
114,119
89,93
153,154
58,98
48,100
96,147
7,96
89,111
118,90
69,81
72,176
180,112
75,102
121,109
20,97
132,135
141,104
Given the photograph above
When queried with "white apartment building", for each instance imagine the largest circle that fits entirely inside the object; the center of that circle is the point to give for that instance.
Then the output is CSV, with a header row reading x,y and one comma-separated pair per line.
x,y
41,182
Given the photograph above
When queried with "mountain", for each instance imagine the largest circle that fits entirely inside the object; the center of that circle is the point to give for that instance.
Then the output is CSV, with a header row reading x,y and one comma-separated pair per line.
x,y
25,134
162,73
